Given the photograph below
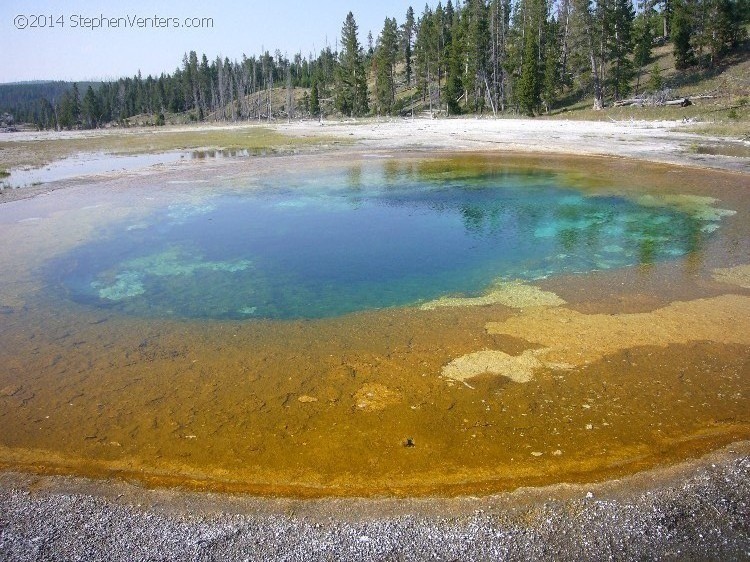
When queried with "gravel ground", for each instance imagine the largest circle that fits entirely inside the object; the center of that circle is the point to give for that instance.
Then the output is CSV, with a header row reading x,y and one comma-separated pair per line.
x,y
699,510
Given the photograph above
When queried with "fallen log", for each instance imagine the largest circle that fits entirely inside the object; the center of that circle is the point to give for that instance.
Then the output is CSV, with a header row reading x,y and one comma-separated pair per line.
x,y
684,102
631,101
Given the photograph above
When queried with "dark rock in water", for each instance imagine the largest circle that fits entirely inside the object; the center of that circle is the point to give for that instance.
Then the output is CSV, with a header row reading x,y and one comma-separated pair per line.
x,y
6,309
409,442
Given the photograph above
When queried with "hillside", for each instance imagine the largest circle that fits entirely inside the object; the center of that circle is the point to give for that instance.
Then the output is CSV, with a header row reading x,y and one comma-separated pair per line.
x,y
267,89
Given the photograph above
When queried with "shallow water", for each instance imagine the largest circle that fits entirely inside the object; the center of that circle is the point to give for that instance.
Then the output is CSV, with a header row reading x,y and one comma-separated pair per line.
x,y
86,165
95,163
643,362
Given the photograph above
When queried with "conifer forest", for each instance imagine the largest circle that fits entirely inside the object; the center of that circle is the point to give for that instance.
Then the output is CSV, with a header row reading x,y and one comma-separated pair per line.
x,y
479,57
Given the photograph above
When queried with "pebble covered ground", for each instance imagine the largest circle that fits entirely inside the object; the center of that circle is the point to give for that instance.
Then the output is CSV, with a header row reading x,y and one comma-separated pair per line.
x,y
696,511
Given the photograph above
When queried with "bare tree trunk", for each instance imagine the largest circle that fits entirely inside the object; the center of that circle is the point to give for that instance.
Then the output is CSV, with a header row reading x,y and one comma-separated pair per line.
x,y
429,89
489,95
270,88
595,76
564,14
598,101
289,95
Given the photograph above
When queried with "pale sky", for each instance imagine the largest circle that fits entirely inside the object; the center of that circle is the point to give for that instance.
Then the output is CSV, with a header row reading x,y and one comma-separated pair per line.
x,y
63,45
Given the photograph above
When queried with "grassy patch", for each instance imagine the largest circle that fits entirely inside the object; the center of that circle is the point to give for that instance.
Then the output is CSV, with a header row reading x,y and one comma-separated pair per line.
x,y
735,149
4,173
253,138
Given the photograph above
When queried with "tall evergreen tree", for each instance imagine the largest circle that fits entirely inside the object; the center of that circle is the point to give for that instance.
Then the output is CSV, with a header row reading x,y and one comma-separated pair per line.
x,y
314,100
425,54
476,41
385,66
529,83
643,39
586,36
620,46
351,80
551,79
407,38
499,19
682,30
90,109
454,89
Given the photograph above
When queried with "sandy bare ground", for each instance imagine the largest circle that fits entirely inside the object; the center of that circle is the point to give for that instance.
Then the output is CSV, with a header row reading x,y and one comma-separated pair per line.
x,y
657,141
696,510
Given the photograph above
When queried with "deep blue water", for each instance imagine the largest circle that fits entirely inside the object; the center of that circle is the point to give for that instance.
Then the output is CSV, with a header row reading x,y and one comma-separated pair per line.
x,y
357,240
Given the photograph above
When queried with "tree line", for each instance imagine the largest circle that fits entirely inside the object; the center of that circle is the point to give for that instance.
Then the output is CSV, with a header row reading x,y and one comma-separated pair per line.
x,y
499,56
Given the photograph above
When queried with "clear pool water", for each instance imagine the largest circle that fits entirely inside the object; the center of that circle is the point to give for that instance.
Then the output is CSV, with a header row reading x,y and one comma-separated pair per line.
x,y
359,239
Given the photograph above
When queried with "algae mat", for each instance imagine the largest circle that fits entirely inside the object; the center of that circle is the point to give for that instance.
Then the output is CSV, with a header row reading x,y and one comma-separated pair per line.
x,y
572,378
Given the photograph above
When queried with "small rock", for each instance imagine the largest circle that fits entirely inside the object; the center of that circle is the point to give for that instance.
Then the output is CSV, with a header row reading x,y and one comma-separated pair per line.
x,y
306,399
557,453
536,454
589,495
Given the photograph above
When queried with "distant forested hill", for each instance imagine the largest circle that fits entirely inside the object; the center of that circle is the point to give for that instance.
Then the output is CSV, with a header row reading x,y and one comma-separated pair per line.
x,y
29,101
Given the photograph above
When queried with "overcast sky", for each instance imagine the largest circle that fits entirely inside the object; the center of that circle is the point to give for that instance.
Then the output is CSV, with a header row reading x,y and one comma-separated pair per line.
x,y
64,45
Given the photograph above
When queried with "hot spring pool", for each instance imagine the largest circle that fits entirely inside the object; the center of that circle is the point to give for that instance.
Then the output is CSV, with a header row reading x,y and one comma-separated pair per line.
x,y
375,325
359,239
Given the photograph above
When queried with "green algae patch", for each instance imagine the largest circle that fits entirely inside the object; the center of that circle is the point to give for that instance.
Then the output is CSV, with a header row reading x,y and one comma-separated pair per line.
x,y
697,206
172,262
510,294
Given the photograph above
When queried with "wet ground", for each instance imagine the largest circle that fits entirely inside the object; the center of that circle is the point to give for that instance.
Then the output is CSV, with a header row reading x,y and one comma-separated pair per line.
x,y
642,366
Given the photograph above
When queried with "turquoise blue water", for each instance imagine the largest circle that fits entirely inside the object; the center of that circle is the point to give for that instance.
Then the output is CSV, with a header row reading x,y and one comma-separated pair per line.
x,y
362,239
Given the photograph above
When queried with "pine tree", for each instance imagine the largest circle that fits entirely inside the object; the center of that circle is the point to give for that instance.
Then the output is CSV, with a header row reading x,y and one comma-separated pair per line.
x,y
314,102
620,47
682,30
477,49
655,82
528,95
425,54
719,29
586,36
75,104
407,37
351,82
91,109
499,31
454,89
643,40
551,80
385,63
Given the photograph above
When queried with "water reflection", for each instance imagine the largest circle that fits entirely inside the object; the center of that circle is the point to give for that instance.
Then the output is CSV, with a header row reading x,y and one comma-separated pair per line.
x,y
88,164
219,153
